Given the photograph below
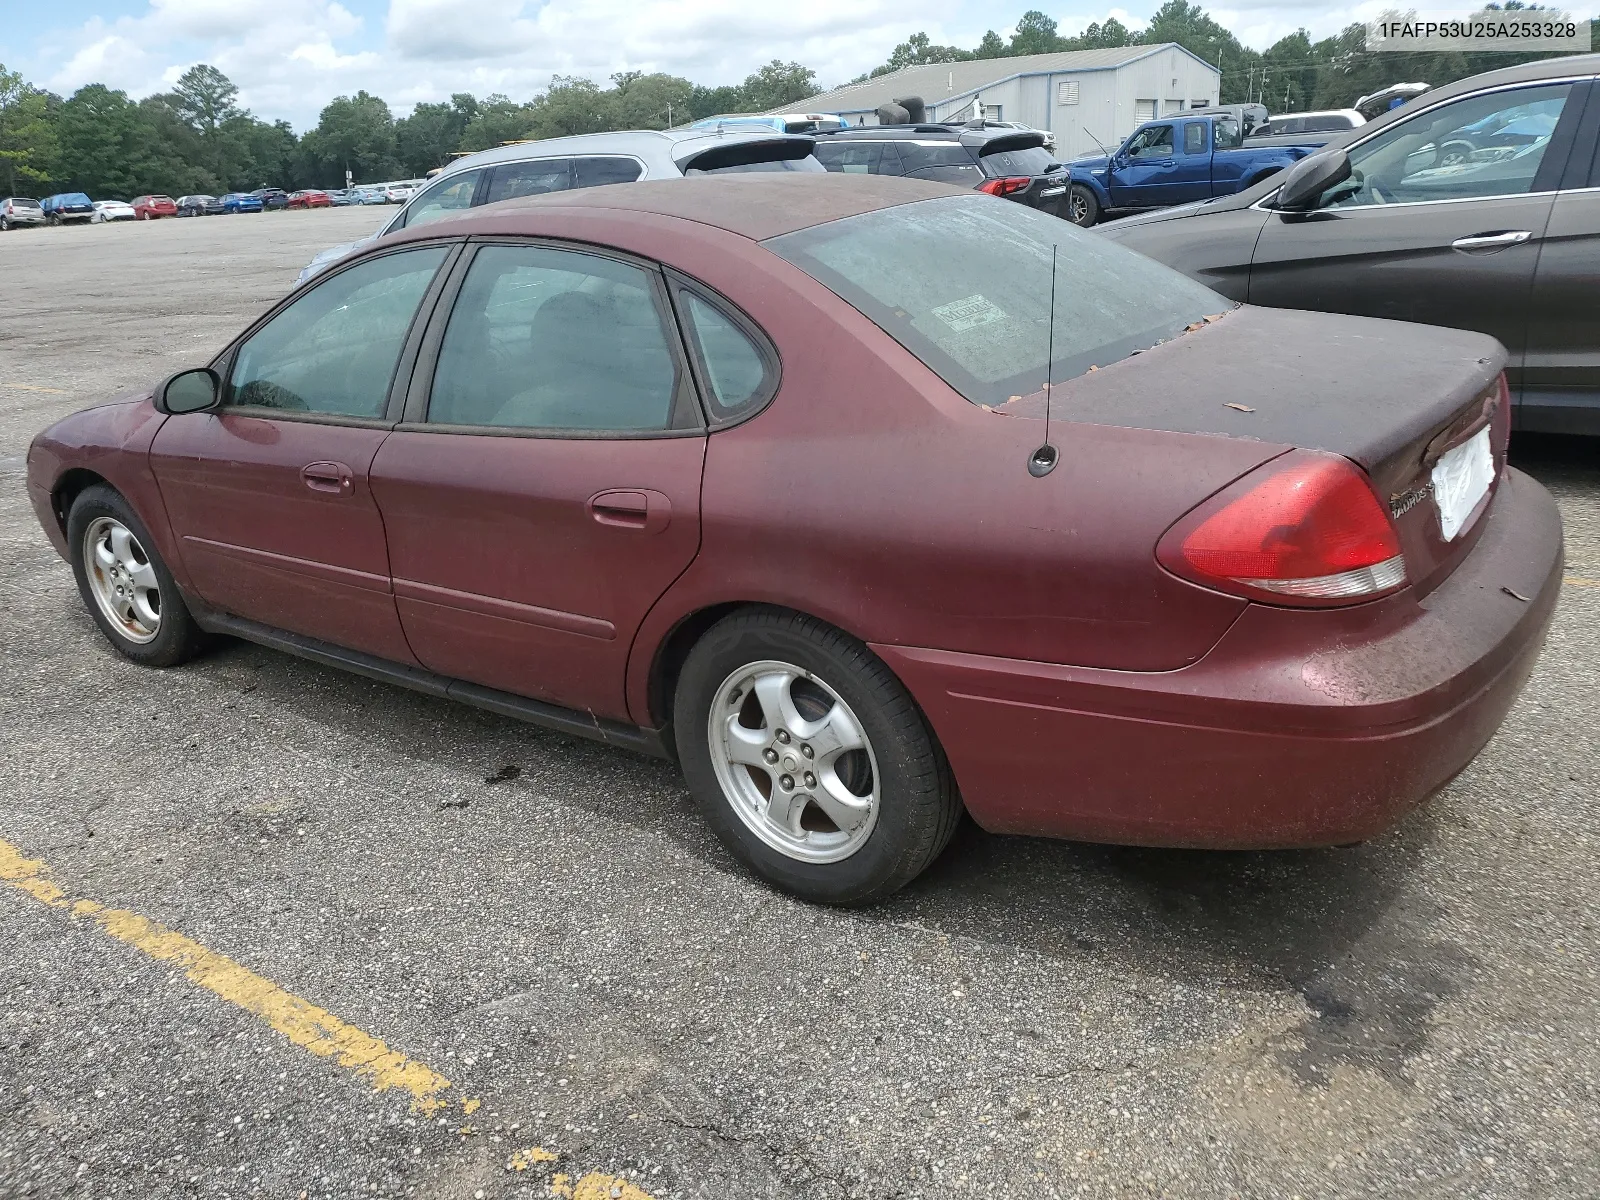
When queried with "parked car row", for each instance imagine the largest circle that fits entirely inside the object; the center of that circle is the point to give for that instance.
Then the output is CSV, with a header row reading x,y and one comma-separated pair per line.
x,y
76,207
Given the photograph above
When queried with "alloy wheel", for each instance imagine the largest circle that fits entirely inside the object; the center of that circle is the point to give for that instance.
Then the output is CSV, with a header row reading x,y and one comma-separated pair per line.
x,y
794,762
122,579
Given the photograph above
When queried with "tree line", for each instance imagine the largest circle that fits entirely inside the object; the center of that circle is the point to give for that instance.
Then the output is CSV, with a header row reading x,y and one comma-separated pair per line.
x,y
197,138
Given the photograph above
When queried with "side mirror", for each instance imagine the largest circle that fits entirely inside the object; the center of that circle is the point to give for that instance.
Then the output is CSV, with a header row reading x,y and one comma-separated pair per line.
x,y
189,392
1305,182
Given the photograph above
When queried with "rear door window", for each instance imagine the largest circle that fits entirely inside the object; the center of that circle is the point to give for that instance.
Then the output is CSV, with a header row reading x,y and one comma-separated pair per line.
x,y
852,158
944,162
599,171
1194,137
556,339
511,180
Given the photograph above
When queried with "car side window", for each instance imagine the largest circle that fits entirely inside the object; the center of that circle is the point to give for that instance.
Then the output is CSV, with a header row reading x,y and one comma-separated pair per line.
x,y
1194,137
1488,145
1227,134
947,161
555,339
530,179
1155,142
739,372
444,199
851,158
599,171
333,351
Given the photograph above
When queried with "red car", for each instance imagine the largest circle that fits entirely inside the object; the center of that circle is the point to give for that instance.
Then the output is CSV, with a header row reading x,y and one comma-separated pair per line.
x,y
756,475
148,208
309,199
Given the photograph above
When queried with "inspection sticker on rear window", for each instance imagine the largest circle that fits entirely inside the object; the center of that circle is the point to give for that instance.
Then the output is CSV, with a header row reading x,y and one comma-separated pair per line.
x,y
968,313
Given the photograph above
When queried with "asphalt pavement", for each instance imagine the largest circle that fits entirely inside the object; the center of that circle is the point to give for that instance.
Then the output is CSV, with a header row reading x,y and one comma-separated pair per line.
x,y
239,897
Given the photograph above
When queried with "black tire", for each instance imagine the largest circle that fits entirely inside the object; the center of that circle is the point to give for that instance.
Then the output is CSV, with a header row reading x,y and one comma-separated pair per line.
x,y
5,224
177,638
918,806
1083,207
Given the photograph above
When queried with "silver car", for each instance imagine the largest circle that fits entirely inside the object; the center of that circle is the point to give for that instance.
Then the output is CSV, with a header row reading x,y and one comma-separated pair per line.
x,y
587,160
20,210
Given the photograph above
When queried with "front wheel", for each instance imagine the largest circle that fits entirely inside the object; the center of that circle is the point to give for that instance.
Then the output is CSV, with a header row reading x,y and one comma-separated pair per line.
x,y
127,588
810,760
1083,207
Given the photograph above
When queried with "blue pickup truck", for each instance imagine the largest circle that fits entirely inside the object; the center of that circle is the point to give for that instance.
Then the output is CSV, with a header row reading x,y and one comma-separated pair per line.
x,y
1178,160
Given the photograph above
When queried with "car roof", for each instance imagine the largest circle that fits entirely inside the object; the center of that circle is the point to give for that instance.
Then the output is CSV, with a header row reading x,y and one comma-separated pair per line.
x,y
658,147
758,205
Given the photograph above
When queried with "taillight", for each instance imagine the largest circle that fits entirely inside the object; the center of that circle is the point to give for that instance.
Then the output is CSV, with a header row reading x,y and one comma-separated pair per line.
x,y
1304,529
1005,186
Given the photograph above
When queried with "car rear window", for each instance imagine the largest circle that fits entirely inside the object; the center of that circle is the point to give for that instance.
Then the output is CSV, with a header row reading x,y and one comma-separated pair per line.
x,y
1031,160
20,202
964,284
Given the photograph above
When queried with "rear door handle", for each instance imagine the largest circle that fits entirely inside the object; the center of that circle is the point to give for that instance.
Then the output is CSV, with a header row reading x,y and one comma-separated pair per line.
x,y
332,477
1490,242
632,508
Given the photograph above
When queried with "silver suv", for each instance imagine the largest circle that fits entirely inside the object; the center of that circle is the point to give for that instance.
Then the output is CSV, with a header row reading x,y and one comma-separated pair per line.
x,y
588,160
19,210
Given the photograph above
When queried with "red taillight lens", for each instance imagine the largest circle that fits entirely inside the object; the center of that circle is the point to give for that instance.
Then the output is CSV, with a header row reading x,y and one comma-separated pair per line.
x,y
1004,187
1304,529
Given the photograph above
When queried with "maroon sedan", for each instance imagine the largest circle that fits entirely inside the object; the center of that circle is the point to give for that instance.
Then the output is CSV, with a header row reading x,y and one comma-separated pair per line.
x,y
310,198
753,474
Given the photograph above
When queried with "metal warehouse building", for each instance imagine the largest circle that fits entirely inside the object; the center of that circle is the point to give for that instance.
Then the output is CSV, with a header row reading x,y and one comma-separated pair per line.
x,y
1079,95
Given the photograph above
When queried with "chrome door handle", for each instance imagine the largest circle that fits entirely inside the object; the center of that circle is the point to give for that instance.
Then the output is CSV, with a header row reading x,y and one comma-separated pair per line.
x,y
1492,241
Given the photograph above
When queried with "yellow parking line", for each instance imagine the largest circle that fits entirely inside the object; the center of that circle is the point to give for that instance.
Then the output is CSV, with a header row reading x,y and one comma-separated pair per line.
x,y
1577,581
28,387
303,1023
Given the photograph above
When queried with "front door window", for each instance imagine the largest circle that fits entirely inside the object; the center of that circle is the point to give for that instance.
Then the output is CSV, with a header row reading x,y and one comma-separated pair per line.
x,y
1489,145
334,350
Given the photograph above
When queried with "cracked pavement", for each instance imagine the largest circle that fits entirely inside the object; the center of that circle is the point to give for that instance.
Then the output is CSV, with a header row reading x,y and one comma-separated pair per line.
x,y
546,923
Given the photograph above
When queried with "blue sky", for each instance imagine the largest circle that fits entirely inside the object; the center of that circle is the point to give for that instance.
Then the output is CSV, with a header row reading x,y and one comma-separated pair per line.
x,y
289,57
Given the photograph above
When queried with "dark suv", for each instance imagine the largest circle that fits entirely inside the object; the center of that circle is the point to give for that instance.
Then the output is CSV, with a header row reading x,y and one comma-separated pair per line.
x,y
271,199
1003,162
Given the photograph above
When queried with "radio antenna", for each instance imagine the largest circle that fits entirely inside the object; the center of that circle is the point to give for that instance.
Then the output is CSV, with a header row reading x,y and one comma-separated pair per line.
x,y
1044,459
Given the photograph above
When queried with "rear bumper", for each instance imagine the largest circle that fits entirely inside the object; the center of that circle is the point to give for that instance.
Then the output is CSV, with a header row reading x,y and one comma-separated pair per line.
x,y
1300,728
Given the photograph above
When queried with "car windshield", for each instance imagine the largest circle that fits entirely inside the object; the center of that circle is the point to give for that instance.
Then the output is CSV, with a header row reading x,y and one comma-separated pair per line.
x,y
964,284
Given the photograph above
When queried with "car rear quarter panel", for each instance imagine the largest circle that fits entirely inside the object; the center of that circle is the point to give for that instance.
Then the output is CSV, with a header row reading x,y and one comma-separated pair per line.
x,y
111,442
871,495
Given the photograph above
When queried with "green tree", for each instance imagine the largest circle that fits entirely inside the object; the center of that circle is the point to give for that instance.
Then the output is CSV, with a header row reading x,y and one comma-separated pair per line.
x,y
105,144
355,134
778,84
1113,33
205,99
27,140
990,47
655,101
1035,34
573,105
498,119
433,132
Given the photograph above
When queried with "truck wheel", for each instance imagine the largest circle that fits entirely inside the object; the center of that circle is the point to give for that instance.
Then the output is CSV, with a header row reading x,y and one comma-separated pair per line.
x,y
1082,207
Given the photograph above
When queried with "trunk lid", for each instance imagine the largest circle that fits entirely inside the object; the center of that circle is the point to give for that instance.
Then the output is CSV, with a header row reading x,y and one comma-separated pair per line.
x,y
1389,396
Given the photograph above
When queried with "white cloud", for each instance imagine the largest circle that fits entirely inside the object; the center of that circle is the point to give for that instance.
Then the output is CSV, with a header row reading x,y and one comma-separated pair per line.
x,y
290,57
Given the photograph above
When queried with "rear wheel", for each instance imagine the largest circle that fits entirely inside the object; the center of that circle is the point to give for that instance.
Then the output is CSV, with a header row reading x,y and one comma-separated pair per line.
x,y
5,224
1083,208
810,760
127,588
